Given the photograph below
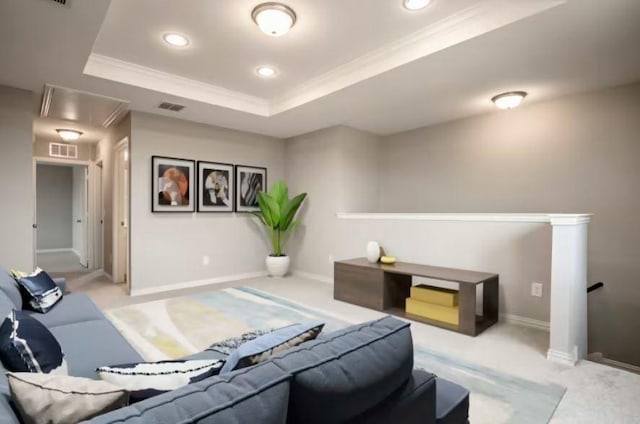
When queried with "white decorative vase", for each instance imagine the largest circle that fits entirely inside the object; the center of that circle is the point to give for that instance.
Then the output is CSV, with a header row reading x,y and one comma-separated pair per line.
x,y
373,252
277,265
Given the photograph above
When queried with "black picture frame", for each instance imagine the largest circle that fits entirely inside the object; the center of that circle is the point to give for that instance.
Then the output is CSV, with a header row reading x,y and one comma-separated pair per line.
x,y
258,181
172,200
206,187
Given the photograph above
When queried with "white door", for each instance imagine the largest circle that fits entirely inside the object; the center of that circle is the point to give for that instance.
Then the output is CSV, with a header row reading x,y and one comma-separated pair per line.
x,y
121,216
99,216
80,213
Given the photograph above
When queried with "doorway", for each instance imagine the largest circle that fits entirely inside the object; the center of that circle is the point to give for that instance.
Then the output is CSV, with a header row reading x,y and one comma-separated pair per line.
x,y
62,210
121,263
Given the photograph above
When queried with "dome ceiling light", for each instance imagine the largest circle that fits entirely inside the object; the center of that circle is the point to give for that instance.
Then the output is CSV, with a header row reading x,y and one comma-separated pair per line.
x,y
175,40
509,100
416,4
266,71
274,19
69,135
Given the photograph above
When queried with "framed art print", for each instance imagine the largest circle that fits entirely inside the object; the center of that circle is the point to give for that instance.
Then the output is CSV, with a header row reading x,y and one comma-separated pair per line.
x,y
172,184
249,181
215,187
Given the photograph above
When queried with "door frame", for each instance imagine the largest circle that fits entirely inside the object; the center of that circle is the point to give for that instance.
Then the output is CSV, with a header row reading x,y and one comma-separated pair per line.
x,y
122,145
89,234
98,180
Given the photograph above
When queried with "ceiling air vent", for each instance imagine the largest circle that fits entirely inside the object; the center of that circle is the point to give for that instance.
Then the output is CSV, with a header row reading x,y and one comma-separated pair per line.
x,y
170,106
63,2
59,150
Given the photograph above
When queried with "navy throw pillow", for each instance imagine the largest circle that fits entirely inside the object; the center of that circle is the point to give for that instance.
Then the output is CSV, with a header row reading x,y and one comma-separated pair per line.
x,y
26,345
41,292
263,347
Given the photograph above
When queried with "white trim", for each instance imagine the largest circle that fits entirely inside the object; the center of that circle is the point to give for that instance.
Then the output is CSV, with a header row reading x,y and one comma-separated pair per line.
x,y
88,277
310,276
622,365
569,219
108,276
37,160
141,76
525,322
197,283
562,357
543,218
67,249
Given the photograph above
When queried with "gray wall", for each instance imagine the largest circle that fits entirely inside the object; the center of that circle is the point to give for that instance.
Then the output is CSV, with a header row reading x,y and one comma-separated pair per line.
x,y
168,248
337,167
574,154
54,204
16,178
104,153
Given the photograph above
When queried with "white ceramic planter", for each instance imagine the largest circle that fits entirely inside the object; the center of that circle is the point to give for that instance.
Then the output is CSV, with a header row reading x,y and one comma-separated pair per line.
x,y
373,251
277,265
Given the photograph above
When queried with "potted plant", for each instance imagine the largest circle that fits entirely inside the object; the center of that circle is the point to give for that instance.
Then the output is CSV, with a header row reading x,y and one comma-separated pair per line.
x,y
277,213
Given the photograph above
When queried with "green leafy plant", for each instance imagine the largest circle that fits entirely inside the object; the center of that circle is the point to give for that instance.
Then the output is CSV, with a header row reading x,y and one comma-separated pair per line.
x,y
277,213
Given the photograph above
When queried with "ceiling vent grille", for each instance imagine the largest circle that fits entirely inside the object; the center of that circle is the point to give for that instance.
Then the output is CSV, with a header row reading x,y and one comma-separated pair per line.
x,y
59,150
62,2
170,106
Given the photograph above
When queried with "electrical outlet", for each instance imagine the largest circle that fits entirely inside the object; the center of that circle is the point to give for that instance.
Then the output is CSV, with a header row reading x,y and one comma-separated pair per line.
x,y
205,260
536,289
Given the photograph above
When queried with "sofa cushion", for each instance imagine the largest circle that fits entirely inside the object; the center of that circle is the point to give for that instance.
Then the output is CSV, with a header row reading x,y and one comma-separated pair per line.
x,y
73,308
257,394
89,345
41,292
7,414
452,403
61,399
6,305
347,372
26,345
415,402
9,286
263,347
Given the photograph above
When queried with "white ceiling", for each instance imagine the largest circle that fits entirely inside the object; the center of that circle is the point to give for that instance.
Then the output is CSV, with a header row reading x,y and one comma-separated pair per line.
x,y
378,68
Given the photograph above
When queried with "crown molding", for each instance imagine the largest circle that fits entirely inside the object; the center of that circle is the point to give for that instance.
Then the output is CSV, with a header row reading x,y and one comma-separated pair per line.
x,y
469,23
151,79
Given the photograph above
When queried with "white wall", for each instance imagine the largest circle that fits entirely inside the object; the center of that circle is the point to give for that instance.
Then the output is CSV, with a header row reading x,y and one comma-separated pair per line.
x,y
16,179
574,154
168,248
337,167
54,207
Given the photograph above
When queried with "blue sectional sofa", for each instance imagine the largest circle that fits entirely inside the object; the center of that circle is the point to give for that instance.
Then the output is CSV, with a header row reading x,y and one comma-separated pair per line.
x,y
360,374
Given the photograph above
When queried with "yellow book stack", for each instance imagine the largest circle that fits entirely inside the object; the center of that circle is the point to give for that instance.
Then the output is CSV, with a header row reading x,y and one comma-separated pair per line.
x,y
433,303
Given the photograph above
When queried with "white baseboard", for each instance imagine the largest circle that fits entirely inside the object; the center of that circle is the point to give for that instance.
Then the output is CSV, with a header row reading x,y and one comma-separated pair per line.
x,y
88,277
67,249
75,252
621,365
525,322
108,276
310,276
197,283
561,357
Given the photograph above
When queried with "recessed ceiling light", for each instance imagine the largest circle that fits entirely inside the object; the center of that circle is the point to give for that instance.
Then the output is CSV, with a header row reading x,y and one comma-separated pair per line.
x,y
509,100
274,19
266,71
416,4
69,135
175,40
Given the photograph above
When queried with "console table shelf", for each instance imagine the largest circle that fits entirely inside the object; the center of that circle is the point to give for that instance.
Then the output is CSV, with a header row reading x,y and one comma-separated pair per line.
x,y
386,287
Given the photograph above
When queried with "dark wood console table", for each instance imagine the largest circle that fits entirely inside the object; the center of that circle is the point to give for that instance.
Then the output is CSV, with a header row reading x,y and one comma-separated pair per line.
x,y
386,287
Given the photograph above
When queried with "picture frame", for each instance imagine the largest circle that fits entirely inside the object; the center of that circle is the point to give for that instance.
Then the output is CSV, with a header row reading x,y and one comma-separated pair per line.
x,y
173,183
216,187
249,181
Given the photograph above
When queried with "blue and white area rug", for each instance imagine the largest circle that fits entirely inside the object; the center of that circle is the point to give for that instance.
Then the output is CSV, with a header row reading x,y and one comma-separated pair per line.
x,y
172,328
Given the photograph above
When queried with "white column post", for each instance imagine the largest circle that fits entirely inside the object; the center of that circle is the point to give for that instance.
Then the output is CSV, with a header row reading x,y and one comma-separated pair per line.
x,y
568,326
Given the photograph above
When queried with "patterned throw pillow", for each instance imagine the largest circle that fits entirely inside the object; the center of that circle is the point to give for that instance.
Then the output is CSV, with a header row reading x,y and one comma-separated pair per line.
x,y
62,399
26,345
227,346
41,292
147,379
263,347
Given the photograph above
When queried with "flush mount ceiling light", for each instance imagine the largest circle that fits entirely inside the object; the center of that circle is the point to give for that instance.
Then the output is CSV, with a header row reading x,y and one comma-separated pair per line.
x,y
175,40
69,135
274,19
416,4
509,100
266,71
